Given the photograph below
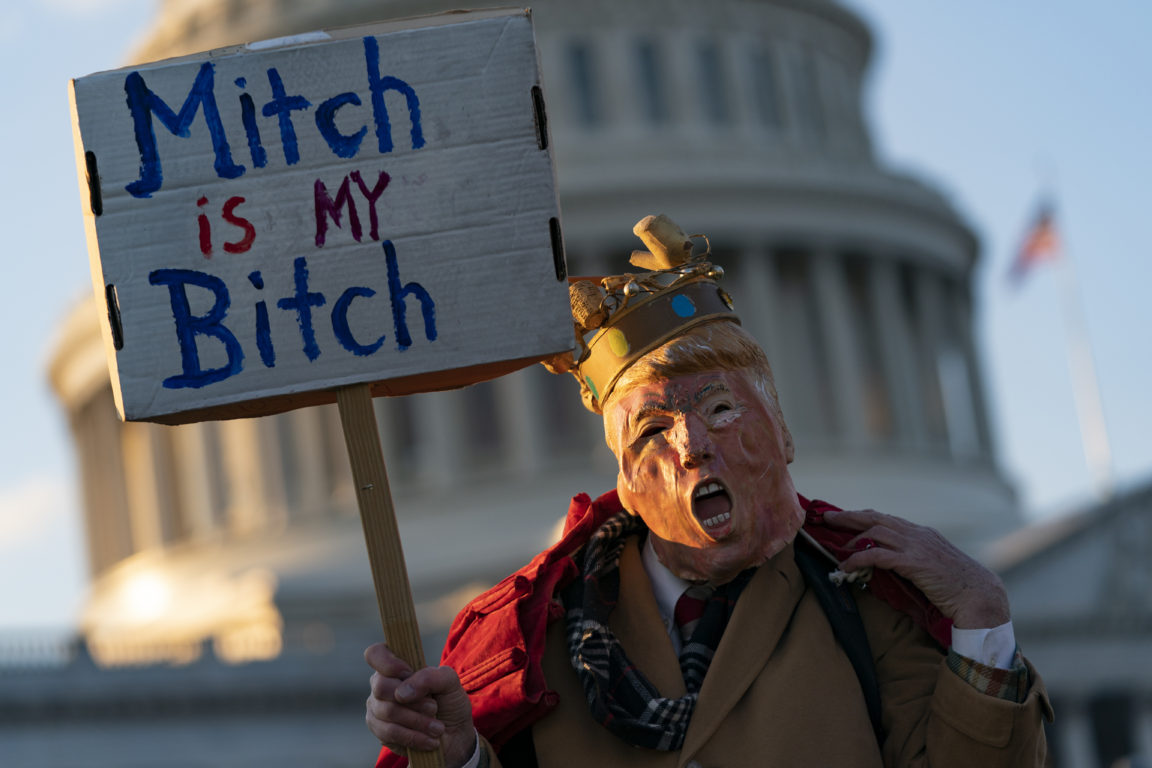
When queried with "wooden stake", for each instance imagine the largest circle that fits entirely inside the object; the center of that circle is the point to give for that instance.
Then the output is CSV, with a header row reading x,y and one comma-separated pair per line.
x,y
389,574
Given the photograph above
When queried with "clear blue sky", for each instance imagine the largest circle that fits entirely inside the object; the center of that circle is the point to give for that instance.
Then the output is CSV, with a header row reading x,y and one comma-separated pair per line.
x,y
984,99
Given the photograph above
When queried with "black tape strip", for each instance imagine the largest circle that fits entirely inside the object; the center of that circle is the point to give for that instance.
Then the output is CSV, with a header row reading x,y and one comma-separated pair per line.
x,y
541,117
558,259
114,316
92,176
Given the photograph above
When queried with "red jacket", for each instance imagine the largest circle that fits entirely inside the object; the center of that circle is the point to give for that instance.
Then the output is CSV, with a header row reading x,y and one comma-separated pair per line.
x,y
496,643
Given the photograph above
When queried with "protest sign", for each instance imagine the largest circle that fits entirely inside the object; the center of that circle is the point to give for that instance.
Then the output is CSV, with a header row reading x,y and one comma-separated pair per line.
x,y
372,205
347,213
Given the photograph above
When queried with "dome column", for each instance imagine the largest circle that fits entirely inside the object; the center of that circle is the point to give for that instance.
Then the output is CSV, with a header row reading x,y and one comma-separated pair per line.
x,y
930,321
760,311
1143,734
252,493
520,401
191,444
440,444
845,364
147,482
962,307
1077,742
896,350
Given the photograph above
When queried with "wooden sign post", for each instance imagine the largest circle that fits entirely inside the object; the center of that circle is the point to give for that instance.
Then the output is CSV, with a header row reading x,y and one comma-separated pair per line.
x,y
386,555
325,218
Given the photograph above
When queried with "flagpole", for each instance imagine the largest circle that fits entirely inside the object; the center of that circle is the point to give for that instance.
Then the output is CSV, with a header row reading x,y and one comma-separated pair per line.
x,y
1085,388
1043,244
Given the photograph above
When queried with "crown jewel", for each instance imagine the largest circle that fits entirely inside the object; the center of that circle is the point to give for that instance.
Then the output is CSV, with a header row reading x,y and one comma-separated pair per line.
x,y
620,318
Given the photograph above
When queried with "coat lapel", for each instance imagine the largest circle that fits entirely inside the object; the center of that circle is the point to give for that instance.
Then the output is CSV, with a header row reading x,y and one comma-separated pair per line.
x,y
762,614
637,625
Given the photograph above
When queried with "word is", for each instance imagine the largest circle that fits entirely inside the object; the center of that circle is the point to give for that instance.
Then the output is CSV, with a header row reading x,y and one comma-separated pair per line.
x,y
228,213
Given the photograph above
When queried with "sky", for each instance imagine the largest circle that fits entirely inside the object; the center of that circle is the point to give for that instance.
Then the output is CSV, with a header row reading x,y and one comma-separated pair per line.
x,y
992,103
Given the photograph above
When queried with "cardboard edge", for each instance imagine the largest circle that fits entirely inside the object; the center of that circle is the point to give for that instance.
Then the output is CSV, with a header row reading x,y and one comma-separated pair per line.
x,y
437,381
550,146
95,267
423,21
345,32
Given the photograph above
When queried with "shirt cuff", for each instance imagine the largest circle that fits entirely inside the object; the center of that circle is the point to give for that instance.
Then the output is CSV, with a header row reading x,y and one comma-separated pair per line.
x,y
994,647
1008,684
474,761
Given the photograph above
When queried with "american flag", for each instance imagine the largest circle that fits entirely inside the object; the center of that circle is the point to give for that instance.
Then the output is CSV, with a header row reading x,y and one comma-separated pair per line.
x,y
1041,243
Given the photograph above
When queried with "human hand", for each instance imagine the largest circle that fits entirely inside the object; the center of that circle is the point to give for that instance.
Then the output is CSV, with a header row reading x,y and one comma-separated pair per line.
x,y
962,589
418,710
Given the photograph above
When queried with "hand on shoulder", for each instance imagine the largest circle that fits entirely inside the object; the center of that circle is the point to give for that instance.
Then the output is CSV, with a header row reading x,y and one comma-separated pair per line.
x,y
961,588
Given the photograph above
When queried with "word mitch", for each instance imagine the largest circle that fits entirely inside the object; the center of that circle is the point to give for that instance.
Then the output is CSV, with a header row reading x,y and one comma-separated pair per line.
x,y
191,328
145,105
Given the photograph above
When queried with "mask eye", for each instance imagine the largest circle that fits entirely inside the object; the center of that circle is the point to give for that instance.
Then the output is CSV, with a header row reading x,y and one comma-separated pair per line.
x,y
716,409
719,407
652,429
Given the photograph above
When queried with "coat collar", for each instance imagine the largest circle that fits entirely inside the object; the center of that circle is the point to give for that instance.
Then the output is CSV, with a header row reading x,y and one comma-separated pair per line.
x,y
637,624
763,612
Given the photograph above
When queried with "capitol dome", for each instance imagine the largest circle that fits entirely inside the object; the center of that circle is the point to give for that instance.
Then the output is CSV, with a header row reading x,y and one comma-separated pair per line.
x,y
741,119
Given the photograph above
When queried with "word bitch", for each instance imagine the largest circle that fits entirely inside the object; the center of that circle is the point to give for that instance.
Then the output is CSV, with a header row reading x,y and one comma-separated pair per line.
x,y
192,328
145,105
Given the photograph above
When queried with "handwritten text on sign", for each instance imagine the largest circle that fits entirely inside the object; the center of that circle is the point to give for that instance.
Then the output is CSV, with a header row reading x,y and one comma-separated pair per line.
x,y
280,221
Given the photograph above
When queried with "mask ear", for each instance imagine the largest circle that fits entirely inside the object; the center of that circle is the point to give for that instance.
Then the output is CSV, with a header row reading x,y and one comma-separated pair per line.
x,y
625,493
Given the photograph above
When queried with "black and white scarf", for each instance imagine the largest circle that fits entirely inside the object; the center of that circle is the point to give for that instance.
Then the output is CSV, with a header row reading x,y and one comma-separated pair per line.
x,y
619,696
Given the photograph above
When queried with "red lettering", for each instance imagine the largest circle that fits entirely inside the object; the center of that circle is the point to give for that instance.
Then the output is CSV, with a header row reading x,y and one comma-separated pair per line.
x,y
205,229
326,206
373,196
242,245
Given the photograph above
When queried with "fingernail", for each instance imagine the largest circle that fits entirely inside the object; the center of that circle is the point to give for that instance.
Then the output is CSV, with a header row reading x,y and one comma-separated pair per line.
x,y
404,691
436,728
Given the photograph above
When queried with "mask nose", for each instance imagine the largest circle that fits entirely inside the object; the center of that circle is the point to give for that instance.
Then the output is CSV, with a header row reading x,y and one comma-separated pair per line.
x,y
693,444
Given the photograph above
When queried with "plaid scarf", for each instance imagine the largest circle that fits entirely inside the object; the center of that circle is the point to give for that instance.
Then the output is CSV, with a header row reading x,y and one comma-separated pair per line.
x,y
619,696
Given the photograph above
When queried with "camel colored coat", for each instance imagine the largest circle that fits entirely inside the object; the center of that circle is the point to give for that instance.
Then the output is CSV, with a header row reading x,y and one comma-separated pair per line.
x,y
781,693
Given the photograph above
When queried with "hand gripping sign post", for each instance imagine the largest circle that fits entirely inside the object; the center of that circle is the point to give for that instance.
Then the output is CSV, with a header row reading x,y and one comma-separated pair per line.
x,y
355,212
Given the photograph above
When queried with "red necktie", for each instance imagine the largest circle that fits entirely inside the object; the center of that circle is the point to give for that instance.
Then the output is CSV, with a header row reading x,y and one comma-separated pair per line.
x,y
689,609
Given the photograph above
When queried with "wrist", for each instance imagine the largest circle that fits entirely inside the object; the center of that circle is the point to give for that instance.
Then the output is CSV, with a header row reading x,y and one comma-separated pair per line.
x,y
988,613
463,752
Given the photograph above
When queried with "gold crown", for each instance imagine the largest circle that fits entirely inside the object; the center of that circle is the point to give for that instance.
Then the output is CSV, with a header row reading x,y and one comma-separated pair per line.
x,y
620,318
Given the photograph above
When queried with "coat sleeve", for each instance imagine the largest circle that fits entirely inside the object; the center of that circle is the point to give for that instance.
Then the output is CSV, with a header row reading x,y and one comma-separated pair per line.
x,y
932,717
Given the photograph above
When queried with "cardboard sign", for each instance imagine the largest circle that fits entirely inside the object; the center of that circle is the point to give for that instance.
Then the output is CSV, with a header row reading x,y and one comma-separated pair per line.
x,y
272,221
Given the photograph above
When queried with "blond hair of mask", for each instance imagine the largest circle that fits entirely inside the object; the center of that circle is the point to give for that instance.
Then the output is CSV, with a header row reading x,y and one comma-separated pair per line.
x,y
709,347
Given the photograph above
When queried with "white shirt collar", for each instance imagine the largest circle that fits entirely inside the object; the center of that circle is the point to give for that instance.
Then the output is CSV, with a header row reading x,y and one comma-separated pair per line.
x,y
666,586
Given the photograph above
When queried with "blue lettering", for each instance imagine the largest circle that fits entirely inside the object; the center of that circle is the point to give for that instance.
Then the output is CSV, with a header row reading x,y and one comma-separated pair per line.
x,y
143,104
398,292
378,85
189,326
263,329
282,105
302,302
340,322
251,130
344,145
